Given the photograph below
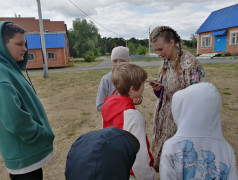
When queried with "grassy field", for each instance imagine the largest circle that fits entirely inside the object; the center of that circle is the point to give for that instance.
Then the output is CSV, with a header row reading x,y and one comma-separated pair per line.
x,y
69,100
80,63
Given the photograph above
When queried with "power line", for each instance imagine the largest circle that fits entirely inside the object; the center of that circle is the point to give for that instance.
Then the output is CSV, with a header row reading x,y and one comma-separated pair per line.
x,y
93,19
143,33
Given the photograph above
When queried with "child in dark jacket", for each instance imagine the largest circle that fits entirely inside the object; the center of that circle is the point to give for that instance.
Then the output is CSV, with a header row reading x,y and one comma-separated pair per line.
x,y
104,154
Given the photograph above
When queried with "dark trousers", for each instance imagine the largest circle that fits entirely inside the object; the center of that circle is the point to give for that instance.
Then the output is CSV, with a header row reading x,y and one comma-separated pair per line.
x,y
34,175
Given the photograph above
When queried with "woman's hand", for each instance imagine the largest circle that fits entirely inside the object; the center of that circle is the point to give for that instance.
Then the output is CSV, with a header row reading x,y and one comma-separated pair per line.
x,y
156,86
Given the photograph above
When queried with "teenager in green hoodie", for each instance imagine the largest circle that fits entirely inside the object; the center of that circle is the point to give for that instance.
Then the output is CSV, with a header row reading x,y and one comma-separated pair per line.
x,y
26,138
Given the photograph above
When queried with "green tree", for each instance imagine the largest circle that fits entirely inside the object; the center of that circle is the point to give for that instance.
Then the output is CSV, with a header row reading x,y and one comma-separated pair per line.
x,y
141,50
72,51
84,35
132,48
134,41
193,40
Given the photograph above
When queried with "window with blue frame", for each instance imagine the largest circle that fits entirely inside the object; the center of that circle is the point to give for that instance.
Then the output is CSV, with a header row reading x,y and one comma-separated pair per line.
x,y
206,41
51,56
31,57
234,38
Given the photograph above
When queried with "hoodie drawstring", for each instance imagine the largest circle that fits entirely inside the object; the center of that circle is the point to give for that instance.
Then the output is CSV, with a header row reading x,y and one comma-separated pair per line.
x,y
30,80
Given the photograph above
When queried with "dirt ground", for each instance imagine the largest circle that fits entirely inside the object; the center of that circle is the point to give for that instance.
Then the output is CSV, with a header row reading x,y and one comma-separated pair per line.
x,y
69,100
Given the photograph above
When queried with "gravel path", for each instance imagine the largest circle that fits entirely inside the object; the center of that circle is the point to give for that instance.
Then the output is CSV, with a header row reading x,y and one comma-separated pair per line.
x,y
106,64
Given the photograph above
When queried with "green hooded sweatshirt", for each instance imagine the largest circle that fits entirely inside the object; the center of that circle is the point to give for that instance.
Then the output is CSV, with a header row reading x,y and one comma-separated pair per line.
x,y
25,134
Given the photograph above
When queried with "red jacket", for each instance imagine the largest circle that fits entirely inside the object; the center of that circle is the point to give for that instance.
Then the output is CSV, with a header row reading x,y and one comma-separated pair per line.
x,y
113,115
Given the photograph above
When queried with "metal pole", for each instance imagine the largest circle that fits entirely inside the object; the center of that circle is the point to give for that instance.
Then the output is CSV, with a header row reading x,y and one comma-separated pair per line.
x,y
149,40
45,66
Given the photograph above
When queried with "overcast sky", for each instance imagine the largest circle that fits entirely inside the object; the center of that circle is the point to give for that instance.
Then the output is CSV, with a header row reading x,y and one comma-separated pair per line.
x,y
122,18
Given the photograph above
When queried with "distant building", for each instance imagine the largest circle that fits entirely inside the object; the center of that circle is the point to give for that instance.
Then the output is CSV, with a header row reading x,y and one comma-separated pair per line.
x,y
219,32
56,41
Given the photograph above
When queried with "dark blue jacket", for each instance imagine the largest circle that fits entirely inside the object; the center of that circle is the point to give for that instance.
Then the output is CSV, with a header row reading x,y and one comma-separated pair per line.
x,y
100,155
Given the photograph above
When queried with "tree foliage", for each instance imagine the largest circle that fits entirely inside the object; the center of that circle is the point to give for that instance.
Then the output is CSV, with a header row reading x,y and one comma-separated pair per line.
x,y
141,50
107,44
83,37
132,48
193,40
192,43
89,56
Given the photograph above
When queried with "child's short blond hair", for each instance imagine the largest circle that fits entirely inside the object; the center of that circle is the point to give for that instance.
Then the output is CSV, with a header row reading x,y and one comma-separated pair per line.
x,y
127,75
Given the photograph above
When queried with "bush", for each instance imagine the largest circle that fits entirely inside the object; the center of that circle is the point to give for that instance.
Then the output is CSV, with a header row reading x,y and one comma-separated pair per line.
x,y
223,54
228,54
141,50
218,55
89,56
96,52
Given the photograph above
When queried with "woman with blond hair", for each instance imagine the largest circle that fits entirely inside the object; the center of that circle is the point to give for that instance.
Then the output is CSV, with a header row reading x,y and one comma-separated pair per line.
x,y
178,70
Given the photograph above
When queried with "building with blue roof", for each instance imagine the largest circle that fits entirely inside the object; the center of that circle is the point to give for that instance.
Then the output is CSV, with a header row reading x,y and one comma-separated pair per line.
x,y
219,32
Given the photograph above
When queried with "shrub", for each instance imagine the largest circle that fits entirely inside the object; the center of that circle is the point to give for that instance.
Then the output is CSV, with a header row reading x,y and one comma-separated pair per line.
x,y
218,55
96,52
223,54
89,56
141,50
228,54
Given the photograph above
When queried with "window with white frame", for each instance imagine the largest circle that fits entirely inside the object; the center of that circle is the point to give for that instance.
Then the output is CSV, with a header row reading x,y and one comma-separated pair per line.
x,y
31,57
51,56
206,41
234,38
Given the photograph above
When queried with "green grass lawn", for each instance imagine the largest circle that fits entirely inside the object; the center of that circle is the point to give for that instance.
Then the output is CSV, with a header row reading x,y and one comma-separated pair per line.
x,y
80,63
69,100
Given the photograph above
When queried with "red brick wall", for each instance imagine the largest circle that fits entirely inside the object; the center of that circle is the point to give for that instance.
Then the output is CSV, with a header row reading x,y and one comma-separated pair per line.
x,y
231,49
205,50
60,58
32,25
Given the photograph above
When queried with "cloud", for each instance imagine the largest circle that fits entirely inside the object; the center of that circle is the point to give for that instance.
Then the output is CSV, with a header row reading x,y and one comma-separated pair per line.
x,y
123,18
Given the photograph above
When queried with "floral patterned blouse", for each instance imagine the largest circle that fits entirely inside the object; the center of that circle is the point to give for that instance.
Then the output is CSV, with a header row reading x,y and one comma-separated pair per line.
x,y
190,72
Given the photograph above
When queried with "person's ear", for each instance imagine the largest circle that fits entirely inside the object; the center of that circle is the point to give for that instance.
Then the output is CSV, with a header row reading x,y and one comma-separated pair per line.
x,y
131,90
172,42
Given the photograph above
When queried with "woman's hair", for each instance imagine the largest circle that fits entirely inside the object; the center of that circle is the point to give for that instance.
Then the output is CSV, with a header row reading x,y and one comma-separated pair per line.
x,y
127,75
9,30
168,34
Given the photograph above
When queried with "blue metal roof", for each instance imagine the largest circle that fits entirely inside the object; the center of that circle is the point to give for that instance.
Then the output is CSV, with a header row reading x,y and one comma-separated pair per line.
x,y
220,19
33,41
215,33
51,41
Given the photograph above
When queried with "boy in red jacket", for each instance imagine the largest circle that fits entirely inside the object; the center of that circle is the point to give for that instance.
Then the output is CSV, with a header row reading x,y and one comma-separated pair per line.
x,y
119,111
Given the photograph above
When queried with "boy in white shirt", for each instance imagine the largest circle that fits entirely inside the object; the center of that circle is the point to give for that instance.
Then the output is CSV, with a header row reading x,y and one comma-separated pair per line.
x,y
119,111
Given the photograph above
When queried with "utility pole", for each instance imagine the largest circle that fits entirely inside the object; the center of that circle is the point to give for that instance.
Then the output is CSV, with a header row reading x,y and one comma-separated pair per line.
x,y
149,39
42,36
